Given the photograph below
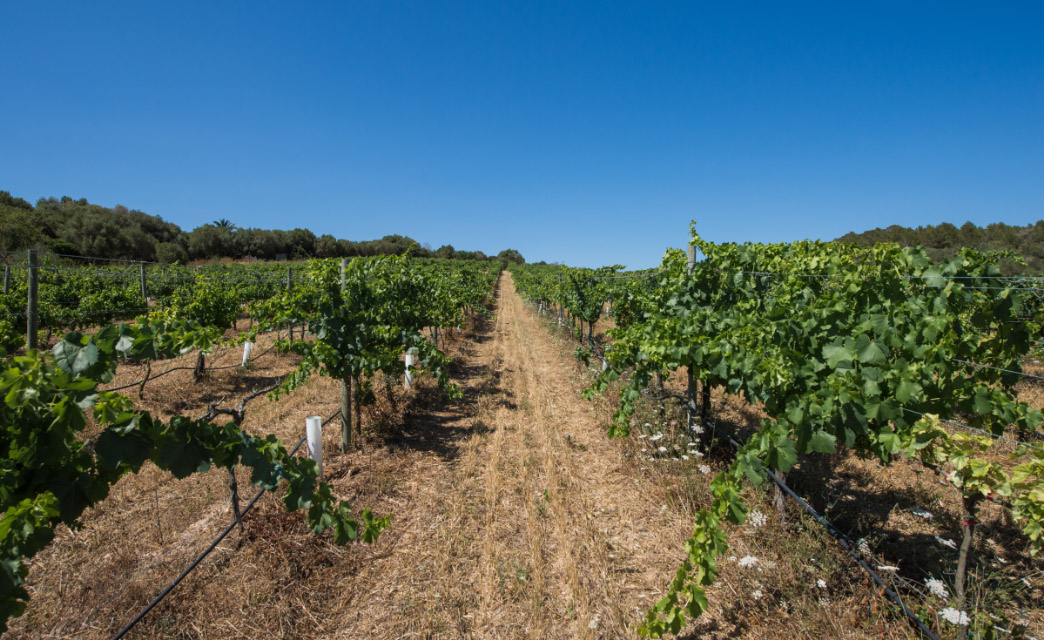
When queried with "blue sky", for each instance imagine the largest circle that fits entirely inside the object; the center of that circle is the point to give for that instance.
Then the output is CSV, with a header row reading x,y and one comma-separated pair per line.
x,y
585,132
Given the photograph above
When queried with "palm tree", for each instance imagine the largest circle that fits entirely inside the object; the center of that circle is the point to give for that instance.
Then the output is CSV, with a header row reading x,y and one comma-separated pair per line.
x,y
225,224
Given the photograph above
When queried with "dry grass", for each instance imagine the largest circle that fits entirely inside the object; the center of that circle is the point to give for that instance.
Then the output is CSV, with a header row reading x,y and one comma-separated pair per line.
x,y
865,499
512,516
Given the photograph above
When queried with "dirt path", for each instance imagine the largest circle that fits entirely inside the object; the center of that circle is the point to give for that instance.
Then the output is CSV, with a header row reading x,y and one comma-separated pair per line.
x,y
533,527
513,516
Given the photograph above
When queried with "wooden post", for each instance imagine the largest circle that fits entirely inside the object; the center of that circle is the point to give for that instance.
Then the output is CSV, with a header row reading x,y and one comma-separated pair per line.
x,y
144,290
346,414
7,279
289,286
358,410
779,499
662,408
692,258
705,399
233,489
32,320
344,277
970,507
690,404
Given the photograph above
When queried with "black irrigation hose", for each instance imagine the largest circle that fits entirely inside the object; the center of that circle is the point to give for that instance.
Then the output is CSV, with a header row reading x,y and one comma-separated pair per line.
x,y
172,369
213,545
842,539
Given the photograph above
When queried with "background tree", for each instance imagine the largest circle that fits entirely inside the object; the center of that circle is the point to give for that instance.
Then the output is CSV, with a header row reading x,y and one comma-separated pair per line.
x,y
510,256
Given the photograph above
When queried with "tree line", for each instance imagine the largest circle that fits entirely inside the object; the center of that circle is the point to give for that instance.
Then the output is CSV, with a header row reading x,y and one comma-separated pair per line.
x,y
77,227
942,241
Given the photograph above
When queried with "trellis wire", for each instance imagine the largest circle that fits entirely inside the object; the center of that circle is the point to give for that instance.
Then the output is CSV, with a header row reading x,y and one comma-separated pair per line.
x,y
213,545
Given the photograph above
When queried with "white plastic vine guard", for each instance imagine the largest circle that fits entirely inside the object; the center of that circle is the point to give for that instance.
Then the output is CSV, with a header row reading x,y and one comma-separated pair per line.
x,y
411,360
314,432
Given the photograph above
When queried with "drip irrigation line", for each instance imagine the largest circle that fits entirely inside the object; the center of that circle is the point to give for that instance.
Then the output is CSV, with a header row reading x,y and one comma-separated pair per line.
x,y
841,538
222,350
213,545
684,401
158,375
172,369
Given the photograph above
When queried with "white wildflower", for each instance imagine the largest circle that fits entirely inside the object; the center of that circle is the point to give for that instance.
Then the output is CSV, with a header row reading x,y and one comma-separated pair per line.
x,y
953,616
887,567
937,588
946,542
685,457
663,449
731,558
823,602
642,437
693,444
647,424
663,508
704,469
757,519
756,594
656,437
697,429
644,450
674,459
863,546
593,624
922,513
748,561
821,583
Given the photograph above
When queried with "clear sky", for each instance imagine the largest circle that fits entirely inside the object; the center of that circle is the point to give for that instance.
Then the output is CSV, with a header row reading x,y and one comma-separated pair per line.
x,y
582,132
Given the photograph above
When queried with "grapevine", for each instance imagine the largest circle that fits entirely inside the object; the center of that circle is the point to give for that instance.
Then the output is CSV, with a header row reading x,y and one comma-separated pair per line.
x,y
833,342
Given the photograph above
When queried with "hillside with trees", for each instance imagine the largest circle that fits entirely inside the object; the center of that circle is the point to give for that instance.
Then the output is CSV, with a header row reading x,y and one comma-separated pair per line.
x,y
77,227
942,241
